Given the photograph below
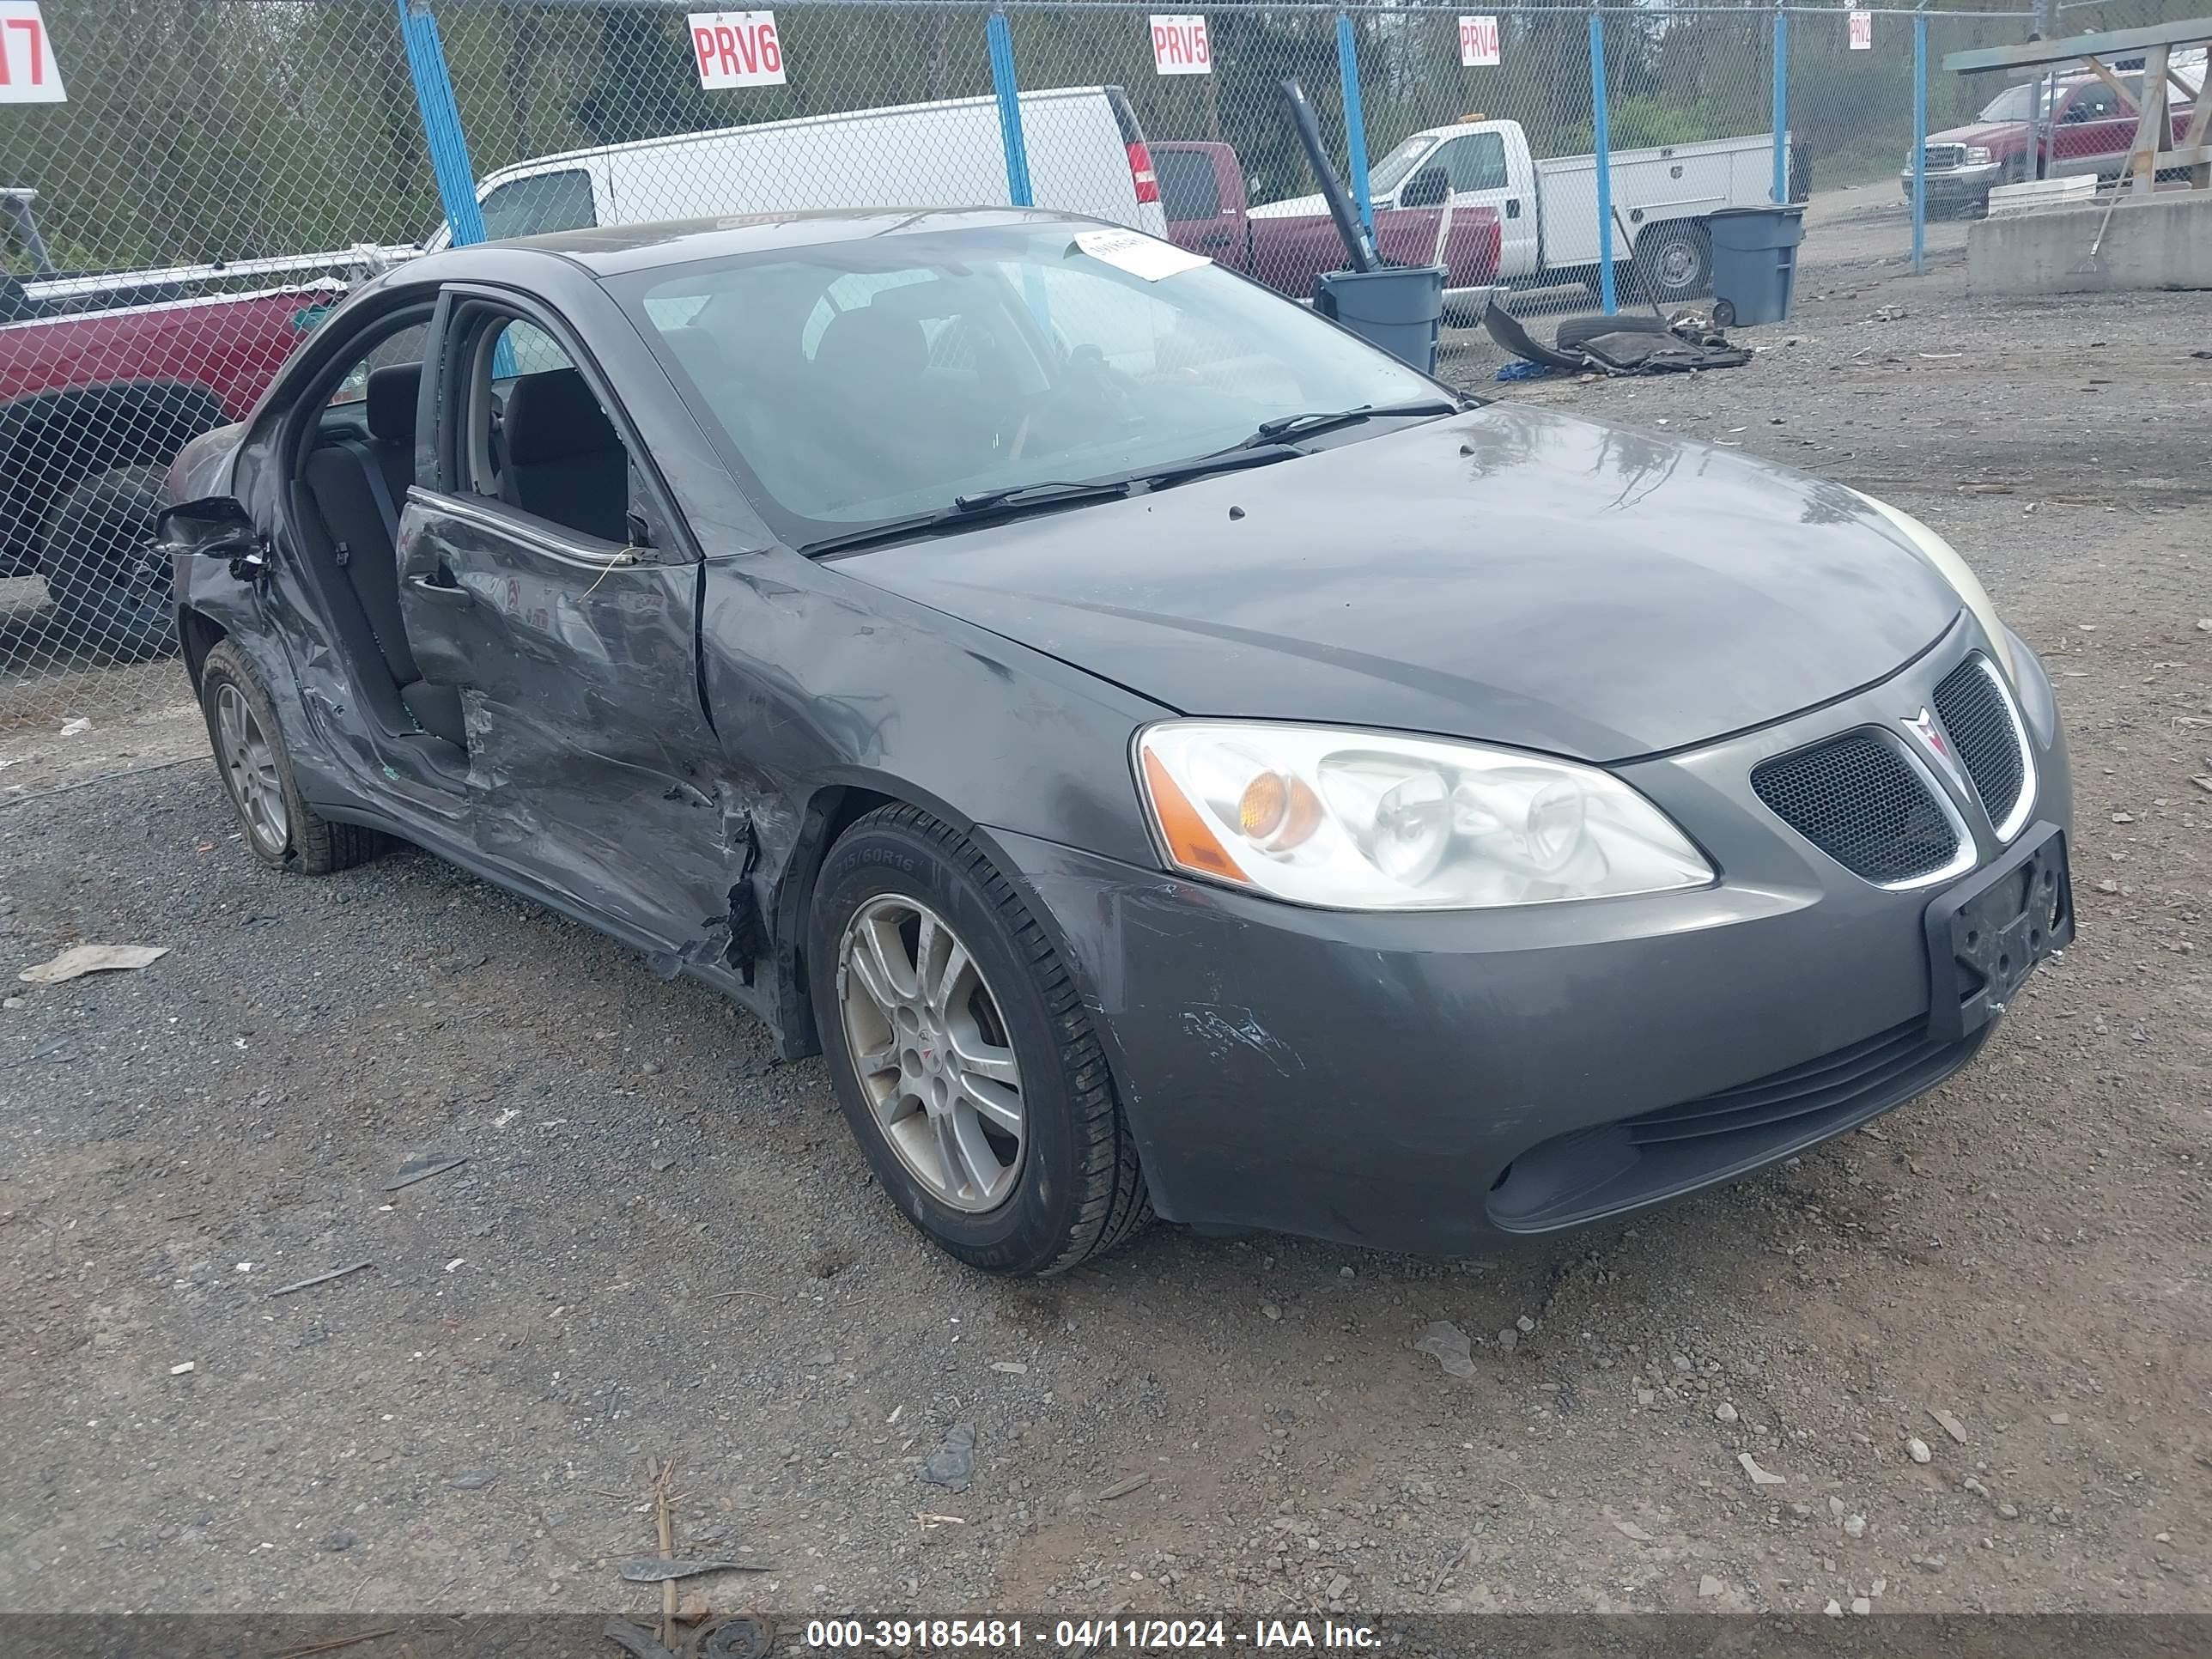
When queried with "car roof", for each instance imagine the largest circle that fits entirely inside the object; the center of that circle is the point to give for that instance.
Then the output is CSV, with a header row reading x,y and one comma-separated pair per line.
x,y
612,249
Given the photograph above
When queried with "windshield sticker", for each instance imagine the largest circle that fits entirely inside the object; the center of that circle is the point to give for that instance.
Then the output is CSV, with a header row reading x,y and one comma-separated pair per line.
x,y
1139,255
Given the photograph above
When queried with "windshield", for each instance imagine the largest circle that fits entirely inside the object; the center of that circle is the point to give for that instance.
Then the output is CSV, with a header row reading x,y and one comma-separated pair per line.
x,y
2014,103
1386,175
858,382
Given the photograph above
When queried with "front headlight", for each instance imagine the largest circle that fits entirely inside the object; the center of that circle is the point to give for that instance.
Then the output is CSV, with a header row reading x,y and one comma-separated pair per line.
x,y
1953,569
1977,155
1352,820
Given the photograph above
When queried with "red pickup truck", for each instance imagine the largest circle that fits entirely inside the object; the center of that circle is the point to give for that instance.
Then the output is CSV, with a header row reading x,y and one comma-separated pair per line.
x,y
103,379
2083,125
1202,191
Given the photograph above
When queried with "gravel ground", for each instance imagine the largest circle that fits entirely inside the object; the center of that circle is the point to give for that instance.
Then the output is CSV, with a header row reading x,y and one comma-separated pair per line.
x,y
664,1245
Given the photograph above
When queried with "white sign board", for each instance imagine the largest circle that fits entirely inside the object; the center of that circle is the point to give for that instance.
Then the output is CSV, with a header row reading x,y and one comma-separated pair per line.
x,y
1478,42
1862,31
1141,255
1181,45
28,74
737,49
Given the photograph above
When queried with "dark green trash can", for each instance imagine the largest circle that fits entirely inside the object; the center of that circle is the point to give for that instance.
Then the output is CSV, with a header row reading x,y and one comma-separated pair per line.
x,y
1398,309
1755,262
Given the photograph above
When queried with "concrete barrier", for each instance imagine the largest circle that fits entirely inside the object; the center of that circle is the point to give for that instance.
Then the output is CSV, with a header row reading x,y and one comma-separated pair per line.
x,y
2164,241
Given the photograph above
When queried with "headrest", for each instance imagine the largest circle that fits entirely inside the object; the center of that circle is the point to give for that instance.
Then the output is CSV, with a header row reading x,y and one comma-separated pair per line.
x,y
553,416
390,397
863,346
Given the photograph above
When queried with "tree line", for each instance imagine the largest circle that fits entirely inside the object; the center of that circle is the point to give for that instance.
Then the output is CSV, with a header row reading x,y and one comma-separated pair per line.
x,y
201,129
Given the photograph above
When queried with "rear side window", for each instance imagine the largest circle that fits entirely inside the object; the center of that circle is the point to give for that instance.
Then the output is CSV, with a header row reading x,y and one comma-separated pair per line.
x,y
1188,189
543,202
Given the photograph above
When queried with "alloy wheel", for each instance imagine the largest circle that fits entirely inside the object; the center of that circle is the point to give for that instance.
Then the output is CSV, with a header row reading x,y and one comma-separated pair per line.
x,y
249,767
929,1045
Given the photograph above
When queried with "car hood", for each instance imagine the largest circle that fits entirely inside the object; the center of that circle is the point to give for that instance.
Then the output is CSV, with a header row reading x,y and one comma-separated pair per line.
x,y
1982,133
1509,574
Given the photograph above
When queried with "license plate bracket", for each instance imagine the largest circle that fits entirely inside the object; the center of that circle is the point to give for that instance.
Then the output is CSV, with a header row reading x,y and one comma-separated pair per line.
x,y
1985,935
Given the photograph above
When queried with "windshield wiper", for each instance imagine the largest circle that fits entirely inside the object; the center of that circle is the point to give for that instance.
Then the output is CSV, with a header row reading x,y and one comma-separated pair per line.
x,y
1314,420
983,507
1045,490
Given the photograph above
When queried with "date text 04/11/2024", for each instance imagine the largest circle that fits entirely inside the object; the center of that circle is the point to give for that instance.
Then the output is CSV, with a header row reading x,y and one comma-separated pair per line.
x,y
1082,1635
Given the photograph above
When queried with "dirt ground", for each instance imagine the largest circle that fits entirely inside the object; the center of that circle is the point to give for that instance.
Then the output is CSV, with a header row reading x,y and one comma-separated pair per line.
x,y
663,1245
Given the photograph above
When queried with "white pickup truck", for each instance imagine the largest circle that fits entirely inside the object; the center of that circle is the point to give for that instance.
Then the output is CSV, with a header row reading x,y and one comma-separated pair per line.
x,y
1547,210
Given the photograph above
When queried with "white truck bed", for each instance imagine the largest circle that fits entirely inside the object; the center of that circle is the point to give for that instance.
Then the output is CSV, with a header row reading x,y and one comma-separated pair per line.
x,y
1672,181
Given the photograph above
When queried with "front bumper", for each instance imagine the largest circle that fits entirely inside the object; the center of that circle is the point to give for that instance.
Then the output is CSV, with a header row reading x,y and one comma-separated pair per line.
x,y
1437,1081
1948,186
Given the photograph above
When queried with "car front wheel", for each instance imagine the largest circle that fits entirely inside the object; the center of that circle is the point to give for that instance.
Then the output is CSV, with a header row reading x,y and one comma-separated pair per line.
x,y
962,1055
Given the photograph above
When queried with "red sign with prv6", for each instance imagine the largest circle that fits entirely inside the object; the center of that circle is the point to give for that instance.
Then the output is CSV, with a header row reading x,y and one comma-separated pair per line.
x,y
737,49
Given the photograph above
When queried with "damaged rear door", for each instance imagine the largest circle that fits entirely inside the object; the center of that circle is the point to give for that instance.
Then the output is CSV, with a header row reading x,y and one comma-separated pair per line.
x,y
544,579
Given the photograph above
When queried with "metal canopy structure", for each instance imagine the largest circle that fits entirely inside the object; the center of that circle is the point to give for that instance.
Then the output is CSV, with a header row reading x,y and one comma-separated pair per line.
x,y
2152,149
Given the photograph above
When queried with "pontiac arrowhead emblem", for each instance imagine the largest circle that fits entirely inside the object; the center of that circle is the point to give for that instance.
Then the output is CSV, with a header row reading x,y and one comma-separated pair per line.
x,y
1931,737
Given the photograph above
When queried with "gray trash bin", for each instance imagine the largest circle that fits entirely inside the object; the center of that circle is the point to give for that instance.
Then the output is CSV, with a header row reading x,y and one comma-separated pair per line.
x,y
1755,262
1397,308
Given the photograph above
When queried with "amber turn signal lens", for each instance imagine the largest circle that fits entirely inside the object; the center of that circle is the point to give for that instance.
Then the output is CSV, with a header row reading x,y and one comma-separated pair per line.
x,y
1191,843
1259,811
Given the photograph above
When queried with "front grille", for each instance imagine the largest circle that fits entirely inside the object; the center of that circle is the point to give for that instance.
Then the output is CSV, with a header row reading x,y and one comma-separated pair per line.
x,y
1942,158
1837,1082
1610,1167
1986,732
1859,800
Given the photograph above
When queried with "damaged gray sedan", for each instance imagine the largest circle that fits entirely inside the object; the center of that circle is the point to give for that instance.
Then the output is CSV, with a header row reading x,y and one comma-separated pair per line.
x,y
1167,756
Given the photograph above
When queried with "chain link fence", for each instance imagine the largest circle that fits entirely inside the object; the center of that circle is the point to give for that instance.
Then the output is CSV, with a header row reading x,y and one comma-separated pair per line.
x,y
219,171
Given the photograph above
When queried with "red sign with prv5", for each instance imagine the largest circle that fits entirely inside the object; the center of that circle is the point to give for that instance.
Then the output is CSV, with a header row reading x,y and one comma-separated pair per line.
x,y
737,49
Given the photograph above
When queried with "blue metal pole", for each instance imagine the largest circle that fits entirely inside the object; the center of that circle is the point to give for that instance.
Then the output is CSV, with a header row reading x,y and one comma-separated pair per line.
x,y
1601,127
1920,143
442,121
1355,120
1781,192
1001,40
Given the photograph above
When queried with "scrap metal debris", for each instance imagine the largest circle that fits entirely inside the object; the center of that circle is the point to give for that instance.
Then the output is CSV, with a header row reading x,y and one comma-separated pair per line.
x,y
423,1169
81,959
659,1570
1619,345
320,1278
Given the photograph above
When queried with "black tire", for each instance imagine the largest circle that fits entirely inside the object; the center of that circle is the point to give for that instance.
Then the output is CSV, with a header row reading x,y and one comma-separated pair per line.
x,y
1576,330
110,596
312,845
1724,313
1079,1190
1674,261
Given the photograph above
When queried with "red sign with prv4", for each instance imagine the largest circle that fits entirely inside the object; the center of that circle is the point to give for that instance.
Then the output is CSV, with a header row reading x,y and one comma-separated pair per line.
x,y
737,49
1179,45
1478,42
28,74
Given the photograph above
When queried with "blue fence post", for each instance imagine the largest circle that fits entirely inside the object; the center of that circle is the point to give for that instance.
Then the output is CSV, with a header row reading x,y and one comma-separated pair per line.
x,y
1920,141
1001,40
442,121
1355,120
1781,192
1602,131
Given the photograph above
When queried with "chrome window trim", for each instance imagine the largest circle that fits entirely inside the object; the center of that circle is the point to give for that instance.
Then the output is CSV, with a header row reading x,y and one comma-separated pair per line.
x,y
532,533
